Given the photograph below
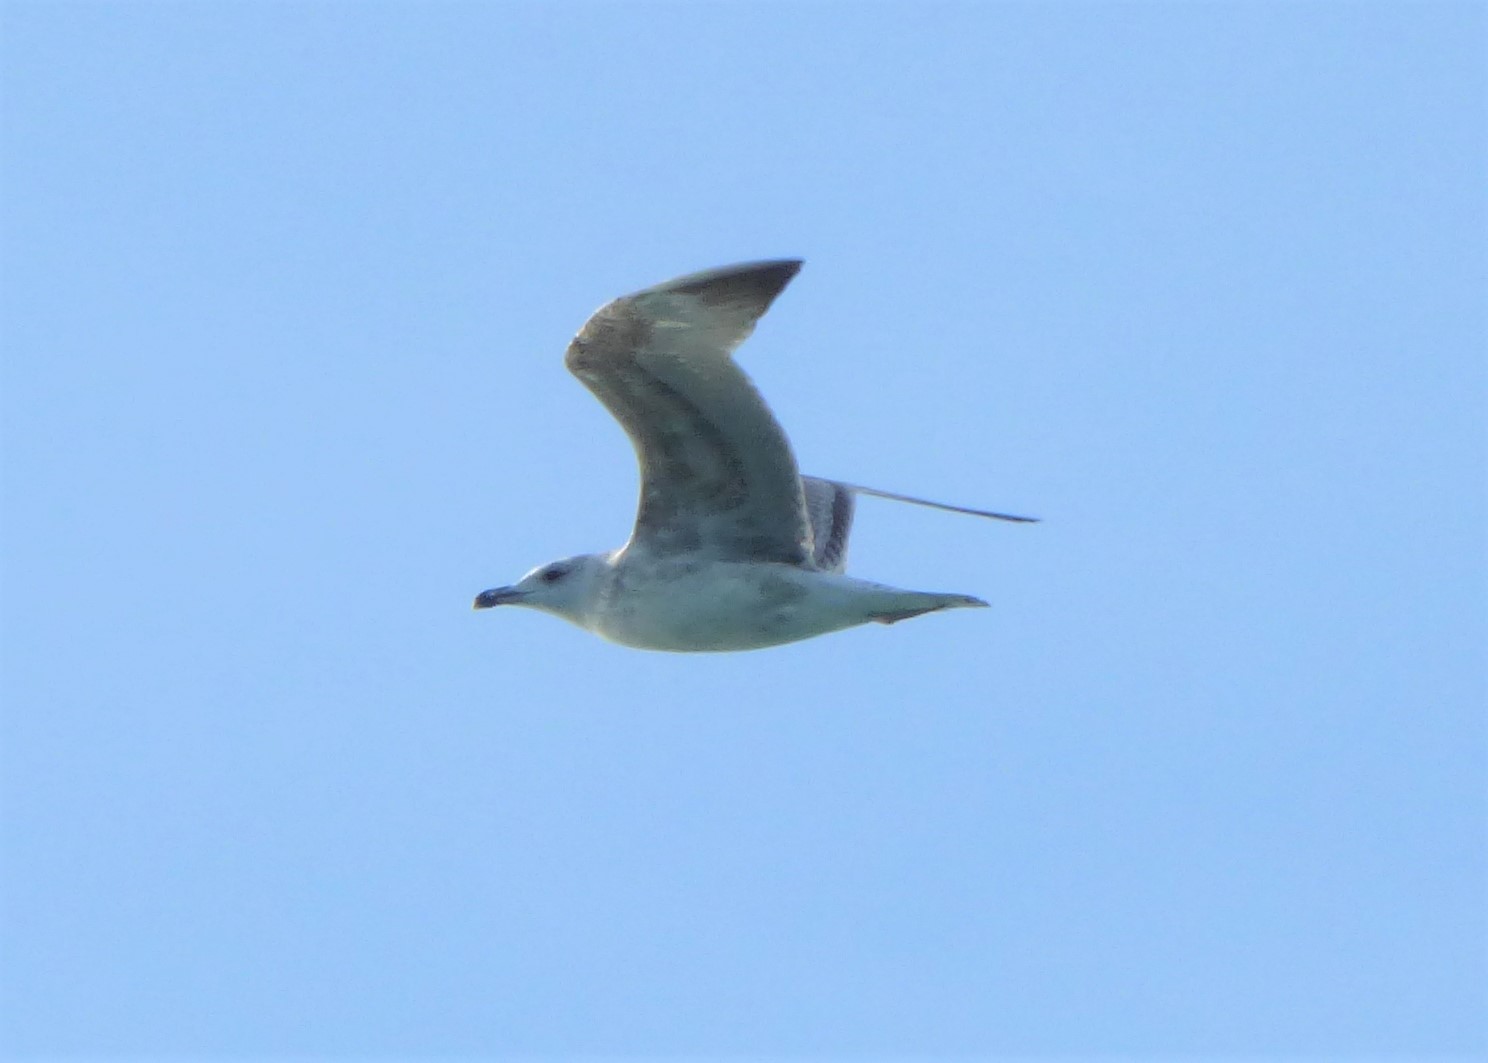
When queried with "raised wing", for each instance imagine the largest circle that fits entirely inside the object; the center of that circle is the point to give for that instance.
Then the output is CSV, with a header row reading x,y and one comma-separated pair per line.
x,y
717,474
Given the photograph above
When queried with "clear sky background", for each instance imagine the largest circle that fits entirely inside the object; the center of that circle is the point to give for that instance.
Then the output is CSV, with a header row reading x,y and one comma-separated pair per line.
x,y
286,293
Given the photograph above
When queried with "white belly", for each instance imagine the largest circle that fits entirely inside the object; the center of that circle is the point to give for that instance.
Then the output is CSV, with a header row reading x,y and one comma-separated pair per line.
x,y
717,606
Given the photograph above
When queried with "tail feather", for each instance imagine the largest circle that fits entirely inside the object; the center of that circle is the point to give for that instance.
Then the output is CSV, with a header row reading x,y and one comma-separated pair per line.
x,y
918,604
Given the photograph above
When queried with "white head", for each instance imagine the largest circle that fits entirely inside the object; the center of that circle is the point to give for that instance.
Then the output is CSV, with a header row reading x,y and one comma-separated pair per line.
x,y
566,588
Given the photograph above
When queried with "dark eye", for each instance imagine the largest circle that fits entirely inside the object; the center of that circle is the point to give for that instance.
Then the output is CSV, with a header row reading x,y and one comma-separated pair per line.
x,y
554,574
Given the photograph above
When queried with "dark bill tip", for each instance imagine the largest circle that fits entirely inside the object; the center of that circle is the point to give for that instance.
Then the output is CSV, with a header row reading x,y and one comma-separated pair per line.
x,y
497,596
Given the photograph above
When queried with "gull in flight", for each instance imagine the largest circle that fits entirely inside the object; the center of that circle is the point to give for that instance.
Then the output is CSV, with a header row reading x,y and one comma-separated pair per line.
x,y
733,549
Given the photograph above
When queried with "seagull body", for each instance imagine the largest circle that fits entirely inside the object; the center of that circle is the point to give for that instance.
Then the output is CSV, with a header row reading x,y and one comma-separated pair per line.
x,y
733,549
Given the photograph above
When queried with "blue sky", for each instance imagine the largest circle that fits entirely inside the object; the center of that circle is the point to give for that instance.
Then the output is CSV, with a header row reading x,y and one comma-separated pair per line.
x,y
285,294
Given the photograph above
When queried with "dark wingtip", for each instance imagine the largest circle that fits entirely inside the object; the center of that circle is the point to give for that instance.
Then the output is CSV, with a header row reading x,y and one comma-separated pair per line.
x,y
754,282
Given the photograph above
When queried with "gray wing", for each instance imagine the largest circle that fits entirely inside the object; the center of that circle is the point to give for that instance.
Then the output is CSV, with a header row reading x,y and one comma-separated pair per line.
x,y
829,505
877,493
717,473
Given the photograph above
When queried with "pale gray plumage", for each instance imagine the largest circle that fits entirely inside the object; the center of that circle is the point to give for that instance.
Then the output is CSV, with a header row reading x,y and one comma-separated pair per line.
x,y
717,475
732,547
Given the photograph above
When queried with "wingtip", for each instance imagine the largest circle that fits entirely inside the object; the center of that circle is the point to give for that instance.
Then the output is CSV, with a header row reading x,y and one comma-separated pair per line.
x,y
758,282
894,496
